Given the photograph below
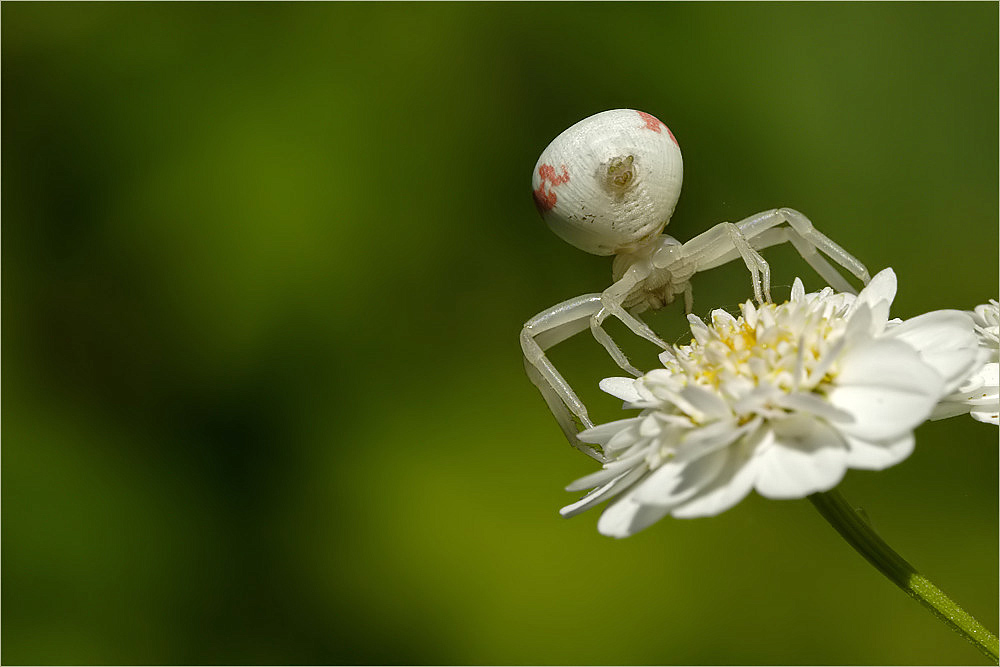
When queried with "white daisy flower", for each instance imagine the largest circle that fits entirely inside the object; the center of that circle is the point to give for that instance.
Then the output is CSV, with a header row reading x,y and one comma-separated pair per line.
x,y
980,394
781,400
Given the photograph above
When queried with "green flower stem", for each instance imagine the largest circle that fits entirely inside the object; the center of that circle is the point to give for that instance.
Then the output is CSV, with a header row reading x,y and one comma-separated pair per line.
x,y
854,528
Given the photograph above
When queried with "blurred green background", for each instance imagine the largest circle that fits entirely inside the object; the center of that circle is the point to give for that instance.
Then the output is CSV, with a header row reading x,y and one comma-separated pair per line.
x,y
265,266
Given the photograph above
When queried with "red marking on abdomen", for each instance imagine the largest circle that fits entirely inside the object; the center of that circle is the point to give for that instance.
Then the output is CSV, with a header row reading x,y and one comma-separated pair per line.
x,y
655,124
546,199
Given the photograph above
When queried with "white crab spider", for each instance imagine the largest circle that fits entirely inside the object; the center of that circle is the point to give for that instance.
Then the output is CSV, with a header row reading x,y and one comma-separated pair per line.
x,y
608,185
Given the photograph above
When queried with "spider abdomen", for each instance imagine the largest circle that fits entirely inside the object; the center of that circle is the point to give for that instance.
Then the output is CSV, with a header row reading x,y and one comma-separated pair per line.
x,y
609,183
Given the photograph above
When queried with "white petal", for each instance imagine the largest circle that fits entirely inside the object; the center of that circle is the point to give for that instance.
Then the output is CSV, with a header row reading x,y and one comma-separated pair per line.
x,y
616,517
597,478
756,398
595,496
986,401
798,290
646,516
989,375
657,377
945,339
887,388
987,416
674,482
829,358
704,401
621,440
666,357
706,439
623,388
813,404
949,408
699,330
601,433
629,458
860,325
649,427
646,395
730,486
983,383
806,456
877,455
882,413
750,312
625,517
881,289
722,319
601,494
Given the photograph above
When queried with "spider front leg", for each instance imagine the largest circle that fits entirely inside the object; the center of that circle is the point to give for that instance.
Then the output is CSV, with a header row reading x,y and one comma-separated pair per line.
x,y
566,319
541,332
613,303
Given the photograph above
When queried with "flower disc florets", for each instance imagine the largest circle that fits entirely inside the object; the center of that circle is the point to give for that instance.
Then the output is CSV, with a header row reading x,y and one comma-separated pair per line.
x,y
782,399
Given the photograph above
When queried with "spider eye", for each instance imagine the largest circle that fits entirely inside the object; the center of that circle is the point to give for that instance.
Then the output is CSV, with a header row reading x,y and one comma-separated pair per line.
x,y
620,173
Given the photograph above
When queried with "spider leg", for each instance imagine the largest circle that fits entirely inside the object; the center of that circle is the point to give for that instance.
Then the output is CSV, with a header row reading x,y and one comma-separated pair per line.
x,y
809,253
635,325
820,241
777,235
613,300
541,332
711,248
807,235
563,320
611,346
723,243
754,262
558,409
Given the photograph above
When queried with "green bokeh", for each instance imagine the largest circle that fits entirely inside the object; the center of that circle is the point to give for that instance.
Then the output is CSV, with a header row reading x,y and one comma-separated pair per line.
x,y
264,269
